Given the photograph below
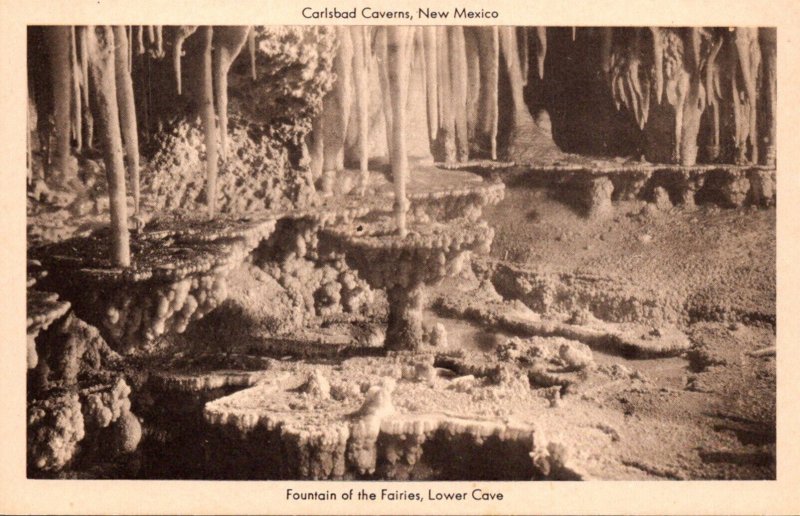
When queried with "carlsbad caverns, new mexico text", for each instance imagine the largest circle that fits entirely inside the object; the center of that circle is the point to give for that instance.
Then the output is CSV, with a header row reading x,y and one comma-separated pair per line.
x,y
387,253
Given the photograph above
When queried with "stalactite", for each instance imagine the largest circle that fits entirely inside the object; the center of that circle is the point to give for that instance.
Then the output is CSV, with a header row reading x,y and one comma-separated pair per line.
x,y
458,78
676,85
473,82
493,82
336,111
524,51
100,44
541,50
360,39
627,86
228,43
75,107
88,122
57,40
768,43
398,71
129,37
316,147
183,32
606,35
31,122
208,118
431,80
383,77
251,47
140,40
747,47
527,143
658,61
127,111
447,122
159,53
713,97
574,33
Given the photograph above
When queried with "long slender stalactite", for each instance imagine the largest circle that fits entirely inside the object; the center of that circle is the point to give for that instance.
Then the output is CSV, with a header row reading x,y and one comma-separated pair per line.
x,y
127,111
101,44
208,118
360,38
398,72
58,46
76,107
86,112
459,77
182,32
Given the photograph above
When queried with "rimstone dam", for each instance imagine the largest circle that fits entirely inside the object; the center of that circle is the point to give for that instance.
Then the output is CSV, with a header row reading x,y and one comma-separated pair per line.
x,y
401,252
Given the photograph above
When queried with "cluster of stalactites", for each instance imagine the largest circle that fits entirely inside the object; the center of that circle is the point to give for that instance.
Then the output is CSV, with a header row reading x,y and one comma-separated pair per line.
x,y
98,60
460,69
695,69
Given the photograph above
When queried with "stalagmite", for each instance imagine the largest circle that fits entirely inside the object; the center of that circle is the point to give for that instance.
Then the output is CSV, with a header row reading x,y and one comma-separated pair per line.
x,y
360,39
336,110
127,111
228,43
768,43
57,40
541,50
458,77
183,32
398,71
431,80
251,47
76,107
209,122
100,45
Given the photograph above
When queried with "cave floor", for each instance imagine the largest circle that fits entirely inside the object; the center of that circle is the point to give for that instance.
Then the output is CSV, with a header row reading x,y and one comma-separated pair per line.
x,y
465,410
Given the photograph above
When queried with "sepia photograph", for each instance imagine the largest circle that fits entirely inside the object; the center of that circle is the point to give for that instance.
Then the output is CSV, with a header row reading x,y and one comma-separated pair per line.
x,y
401,252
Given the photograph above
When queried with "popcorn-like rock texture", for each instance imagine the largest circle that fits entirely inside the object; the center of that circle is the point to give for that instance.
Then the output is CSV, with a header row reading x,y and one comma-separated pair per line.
x,y
78,401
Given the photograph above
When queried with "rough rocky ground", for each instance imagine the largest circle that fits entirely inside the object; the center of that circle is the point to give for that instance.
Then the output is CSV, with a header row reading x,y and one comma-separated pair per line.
x,y
706,412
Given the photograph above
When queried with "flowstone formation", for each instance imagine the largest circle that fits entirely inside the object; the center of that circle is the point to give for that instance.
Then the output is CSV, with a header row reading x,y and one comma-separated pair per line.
x,y
179,275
